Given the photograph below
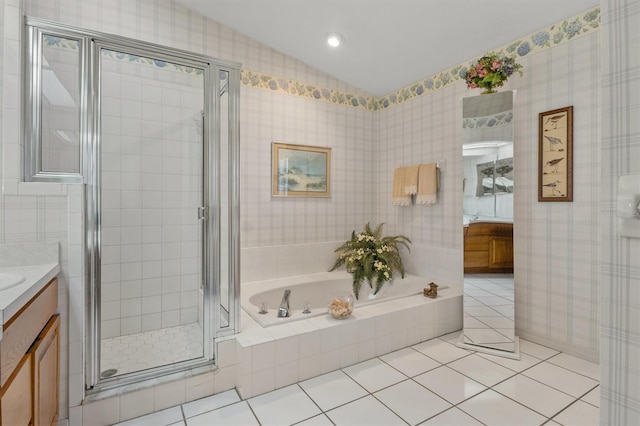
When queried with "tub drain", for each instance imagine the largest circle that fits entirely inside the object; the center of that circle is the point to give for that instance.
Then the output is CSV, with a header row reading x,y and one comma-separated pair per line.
x,y
108,373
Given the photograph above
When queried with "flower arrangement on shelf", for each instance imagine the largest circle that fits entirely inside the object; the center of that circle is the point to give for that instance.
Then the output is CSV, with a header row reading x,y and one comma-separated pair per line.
x,y
371,257
491,71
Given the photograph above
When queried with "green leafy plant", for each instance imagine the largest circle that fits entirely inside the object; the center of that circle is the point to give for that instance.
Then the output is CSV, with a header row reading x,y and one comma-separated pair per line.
x,y
491,71
371,257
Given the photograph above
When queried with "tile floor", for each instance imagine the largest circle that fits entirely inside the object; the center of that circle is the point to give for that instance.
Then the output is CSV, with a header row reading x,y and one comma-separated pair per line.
x,y
150,349
431,383
489,310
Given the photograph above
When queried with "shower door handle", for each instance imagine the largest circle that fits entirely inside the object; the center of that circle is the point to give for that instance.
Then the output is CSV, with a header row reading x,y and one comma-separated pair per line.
x,y
202,213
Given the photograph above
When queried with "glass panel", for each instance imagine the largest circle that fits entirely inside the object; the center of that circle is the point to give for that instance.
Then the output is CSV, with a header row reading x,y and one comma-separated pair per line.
x,y
151,176
225,292
60,97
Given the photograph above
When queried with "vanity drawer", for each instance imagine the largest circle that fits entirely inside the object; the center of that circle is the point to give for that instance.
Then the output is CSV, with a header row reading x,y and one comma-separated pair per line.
x,y
23,328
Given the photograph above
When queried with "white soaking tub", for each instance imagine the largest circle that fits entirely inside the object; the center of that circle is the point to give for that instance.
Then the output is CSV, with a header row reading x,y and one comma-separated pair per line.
x,y
316,291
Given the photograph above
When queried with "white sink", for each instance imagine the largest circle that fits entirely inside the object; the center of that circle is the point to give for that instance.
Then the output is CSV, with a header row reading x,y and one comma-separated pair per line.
x,y
9,280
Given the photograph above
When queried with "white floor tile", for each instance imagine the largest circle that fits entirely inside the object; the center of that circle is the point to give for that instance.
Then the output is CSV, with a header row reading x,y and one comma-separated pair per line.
x,y
496,322
472,322
210,403
525,361
535,350
580,413
283,406
452,417
332,389
593,397
494,409
366,411
410,362
164,417
412,402
451,337
482,311
319,420
236,414
535,395
374,374
579,365
449,384
481,370
486,336
441,351
560,378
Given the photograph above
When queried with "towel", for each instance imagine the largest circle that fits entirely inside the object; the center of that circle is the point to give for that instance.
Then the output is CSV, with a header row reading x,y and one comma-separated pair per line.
x,y
428,184
398,196
411,180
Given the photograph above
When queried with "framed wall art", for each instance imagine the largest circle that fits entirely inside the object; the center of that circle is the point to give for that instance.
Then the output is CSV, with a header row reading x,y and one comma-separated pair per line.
x,y
555,155
300,170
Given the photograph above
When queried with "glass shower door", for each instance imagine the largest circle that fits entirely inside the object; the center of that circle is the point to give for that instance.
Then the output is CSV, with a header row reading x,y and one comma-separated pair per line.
x,y
151,173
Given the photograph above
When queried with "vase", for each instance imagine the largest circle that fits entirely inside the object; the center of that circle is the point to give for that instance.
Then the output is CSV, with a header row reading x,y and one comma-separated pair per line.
x,y
341,306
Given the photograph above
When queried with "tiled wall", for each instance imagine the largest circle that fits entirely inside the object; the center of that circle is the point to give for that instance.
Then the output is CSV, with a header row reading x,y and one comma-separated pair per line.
x,y
152,156
620,277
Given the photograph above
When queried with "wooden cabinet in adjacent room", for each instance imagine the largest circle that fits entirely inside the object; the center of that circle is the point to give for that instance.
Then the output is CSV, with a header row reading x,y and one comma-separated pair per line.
x,y
488,247
29,362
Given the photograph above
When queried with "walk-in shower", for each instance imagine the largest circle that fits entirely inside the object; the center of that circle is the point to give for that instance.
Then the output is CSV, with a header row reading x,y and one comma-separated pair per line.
x,y
157,146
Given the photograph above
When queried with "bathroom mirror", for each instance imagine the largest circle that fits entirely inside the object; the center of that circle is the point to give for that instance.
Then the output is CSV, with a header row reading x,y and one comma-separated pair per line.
x,y
488,189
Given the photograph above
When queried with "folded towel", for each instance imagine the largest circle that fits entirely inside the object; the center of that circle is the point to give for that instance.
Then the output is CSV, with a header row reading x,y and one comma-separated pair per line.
x,y
428,184
399,198
411,179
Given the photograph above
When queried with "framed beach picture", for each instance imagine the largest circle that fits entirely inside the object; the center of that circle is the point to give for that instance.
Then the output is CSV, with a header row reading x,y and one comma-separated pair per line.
x,y
300,171
555,155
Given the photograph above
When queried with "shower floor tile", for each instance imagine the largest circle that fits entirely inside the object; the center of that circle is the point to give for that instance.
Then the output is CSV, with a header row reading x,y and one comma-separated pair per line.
x,y
152,348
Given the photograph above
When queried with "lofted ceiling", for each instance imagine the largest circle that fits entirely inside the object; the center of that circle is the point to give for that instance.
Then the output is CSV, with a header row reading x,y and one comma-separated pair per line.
x,y
388,44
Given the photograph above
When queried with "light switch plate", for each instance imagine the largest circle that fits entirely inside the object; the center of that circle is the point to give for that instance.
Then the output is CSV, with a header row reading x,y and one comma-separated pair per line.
x,y
628,205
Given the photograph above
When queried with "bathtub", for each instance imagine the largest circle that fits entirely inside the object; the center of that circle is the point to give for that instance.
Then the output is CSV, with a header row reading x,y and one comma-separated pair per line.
x,y
316,291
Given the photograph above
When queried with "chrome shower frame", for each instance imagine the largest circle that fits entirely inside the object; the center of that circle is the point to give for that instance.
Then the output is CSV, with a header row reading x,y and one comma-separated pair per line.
x,y
91,44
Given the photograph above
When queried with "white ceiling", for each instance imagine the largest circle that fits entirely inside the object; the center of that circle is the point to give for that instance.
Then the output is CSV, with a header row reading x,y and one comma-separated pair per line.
x,y
389,44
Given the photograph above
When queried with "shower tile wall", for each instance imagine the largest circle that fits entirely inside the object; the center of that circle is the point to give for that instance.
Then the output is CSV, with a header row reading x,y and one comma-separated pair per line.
x,y
151,187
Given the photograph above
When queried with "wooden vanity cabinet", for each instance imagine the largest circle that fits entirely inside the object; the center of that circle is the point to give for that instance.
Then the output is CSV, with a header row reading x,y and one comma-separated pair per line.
x,y
488,247
29,362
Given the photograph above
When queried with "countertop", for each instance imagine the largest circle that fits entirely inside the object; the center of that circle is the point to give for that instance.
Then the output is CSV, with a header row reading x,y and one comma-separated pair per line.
x,y
37,263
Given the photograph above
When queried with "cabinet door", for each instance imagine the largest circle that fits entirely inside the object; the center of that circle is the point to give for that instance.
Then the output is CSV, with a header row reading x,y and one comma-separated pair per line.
x,y
15,403
501,252
46,374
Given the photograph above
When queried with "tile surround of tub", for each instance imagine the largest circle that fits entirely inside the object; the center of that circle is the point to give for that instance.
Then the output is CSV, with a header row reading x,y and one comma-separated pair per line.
x,y
305,349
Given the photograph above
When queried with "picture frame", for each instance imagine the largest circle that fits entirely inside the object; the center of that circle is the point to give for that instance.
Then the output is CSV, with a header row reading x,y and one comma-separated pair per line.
x,y
300,170
555,155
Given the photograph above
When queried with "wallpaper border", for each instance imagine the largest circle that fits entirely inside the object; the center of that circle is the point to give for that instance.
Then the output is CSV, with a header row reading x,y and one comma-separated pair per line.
x,y
551,36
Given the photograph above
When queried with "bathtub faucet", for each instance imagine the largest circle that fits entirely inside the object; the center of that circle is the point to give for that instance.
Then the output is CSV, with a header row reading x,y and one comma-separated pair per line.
x,y
283,310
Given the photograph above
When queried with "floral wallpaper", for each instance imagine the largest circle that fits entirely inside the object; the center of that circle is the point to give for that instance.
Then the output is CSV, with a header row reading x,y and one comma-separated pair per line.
x,y
497,120
551,36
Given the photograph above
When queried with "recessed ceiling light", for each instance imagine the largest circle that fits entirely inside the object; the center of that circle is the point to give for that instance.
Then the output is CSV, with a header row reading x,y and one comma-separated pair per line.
x,y
334,39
